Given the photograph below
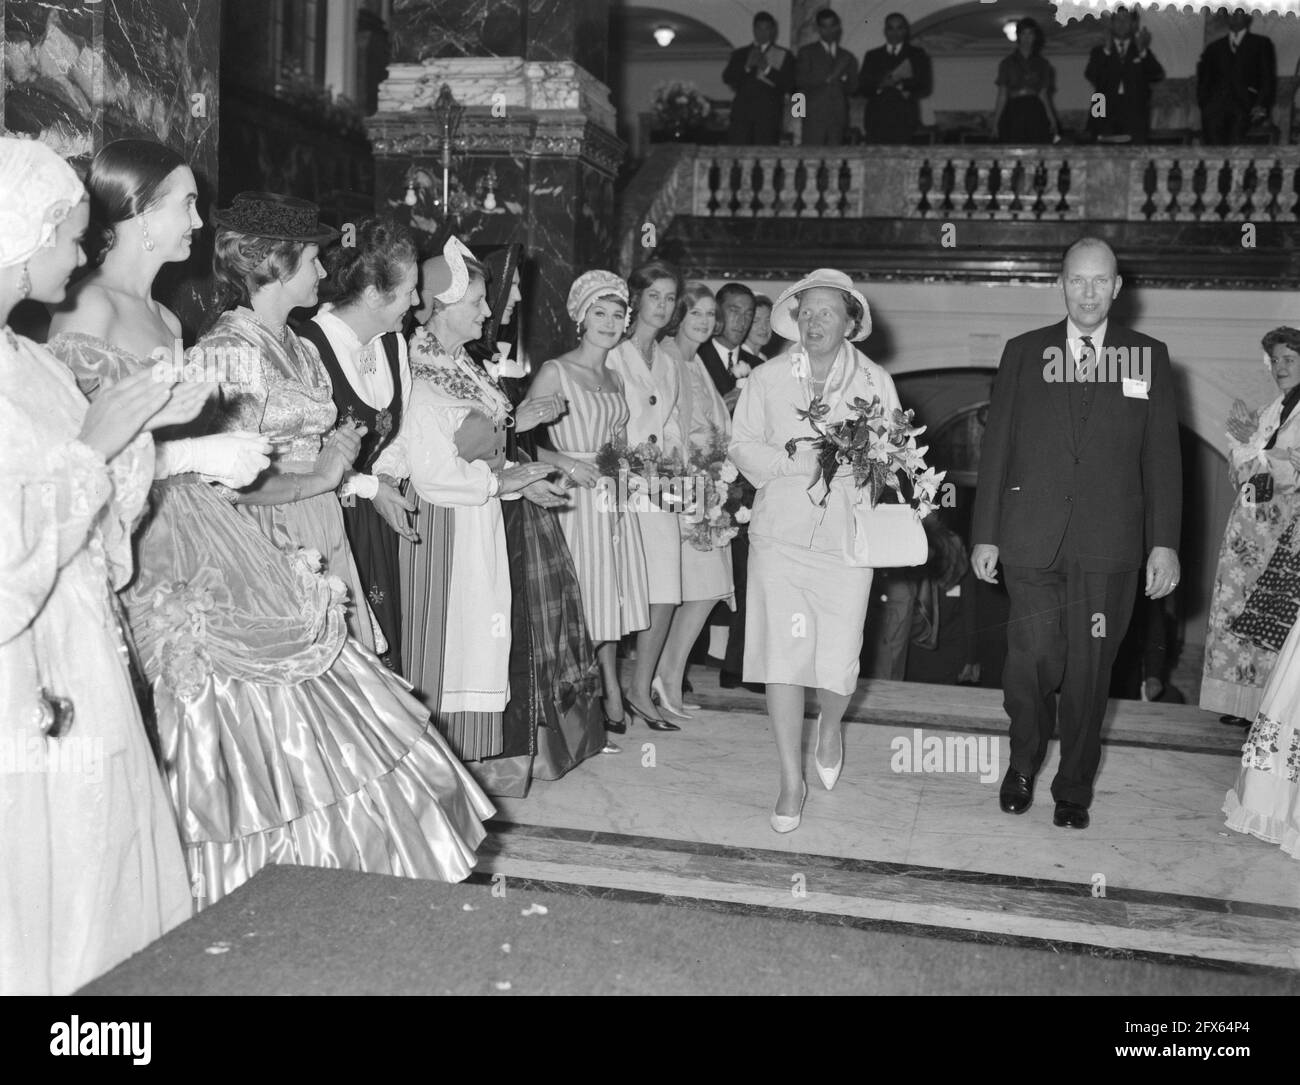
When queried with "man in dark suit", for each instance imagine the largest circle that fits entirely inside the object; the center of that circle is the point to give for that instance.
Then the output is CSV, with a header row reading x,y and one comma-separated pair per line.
x,y
826,74
762,75
1236,80
1080,480
725,352
1123,71
722,356
894,78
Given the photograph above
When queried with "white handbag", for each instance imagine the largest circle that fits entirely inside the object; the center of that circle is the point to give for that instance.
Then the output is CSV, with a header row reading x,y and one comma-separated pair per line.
x,y
887,537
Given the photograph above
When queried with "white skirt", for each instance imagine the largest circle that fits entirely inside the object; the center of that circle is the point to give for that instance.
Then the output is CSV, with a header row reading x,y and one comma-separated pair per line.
x,y
706,574
804,616
662,538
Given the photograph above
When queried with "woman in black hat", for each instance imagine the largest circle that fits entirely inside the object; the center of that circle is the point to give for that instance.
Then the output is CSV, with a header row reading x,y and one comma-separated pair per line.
x,y
282,738
266,261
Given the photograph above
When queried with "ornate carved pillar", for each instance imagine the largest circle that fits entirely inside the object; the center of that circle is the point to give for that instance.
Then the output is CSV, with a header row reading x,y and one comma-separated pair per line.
x,y
535,114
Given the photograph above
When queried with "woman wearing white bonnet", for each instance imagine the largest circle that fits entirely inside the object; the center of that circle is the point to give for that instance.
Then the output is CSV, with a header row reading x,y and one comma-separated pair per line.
x,y
605,540
88,844
806,605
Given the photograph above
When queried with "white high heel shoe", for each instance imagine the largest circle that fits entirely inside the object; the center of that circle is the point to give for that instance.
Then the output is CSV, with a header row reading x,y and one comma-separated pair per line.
x,y
828,776
658,691
783,823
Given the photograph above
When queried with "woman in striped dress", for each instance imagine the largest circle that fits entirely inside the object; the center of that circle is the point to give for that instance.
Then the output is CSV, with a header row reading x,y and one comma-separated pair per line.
x,y
605,540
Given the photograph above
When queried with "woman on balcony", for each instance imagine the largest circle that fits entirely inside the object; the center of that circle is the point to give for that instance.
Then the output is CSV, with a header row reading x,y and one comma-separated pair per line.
x,y
1024,112
806,606
1264,457
652,385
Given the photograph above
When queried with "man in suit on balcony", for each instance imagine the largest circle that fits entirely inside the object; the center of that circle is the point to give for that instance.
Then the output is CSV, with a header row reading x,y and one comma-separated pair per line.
x,y
1123,71
826,74
1080,480
1236,80
762,75
894,78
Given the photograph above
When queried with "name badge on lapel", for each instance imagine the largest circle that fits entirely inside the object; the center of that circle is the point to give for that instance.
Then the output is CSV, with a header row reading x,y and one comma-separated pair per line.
x,y
1136,388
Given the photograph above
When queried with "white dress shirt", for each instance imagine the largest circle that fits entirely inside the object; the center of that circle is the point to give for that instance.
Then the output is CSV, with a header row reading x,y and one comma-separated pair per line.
x,y
1074,337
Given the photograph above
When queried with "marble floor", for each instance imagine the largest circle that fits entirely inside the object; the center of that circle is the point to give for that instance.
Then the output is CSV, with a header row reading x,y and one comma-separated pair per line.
x,y
912,835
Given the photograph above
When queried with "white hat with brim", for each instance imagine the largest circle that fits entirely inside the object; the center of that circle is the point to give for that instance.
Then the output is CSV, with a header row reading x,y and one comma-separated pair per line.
x,y
828,278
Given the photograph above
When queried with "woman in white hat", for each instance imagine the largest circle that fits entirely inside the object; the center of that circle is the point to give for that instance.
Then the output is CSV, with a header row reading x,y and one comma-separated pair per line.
x,y
806,604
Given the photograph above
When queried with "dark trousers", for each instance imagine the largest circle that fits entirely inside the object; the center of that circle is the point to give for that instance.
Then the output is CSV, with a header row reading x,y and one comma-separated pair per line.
x,y
1224,120
755,122
734,664
1064,630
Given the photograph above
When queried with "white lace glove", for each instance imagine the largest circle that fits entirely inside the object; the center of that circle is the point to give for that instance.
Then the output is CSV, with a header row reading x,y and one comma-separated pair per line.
x,y
233,459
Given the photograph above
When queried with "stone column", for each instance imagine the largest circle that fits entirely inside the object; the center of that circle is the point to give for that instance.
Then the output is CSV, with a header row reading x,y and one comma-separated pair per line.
x,y
536,113
80,75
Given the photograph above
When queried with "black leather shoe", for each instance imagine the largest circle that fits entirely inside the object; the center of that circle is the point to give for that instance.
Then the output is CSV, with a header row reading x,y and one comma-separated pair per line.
x,y
1017,794
1071,815
1235,721
655,722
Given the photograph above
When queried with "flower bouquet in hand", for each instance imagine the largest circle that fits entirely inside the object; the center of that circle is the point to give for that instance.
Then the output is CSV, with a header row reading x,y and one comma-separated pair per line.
x,y
877,446
723,497
643,470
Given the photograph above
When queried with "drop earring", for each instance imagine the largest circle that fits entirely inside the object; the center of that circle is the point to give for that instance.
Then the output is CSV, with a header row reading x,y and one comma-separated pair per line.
x,y
148,241
25,283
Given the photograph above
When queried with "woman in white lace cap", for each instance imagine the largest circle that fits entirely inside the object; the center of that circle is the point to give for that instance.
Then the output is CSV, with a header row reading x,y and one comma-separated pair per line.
x,y
92,866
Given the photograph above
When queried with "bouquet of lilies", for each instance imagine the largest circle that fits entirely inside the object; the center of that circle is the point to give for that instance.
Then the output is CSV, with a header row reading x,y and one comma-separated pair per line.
x,y
878,446
723,497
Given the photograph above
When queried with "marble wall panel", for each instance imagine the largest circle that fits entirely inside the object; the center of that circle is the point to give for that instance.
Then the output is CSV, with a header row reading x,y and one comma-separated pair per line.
x,y
457,28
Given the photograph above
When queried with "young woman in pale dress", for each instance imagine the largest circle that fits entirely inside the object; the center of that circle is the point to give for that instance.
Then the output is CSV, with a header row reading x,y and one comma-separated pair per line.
x,y
284,740
651,386
91,861
706,574
604,538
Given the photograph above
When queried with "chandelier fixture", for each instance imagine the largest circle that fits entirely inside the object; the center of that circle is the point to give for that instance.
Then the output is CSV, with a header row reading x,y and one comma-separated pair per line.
x,y
445,196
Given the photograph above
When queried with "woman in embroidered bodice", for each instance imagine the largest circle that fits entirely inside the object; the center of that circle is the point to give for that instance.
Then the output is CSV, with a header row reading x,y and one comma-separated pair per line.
x,y
283,739
806,604
456,633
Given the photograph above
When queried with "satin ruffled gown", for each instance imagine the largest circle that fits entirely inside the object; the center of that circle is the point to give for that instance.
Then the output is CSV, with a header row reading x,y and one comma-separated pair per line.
x,y
284,740
90,862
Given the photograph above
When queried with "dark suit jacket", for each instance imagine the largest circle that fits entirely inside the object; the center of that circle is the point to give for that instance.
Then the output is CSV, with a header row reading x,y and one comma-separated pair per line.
x,y
723,381
889,116
827,103
1118,486
757,112
1126,82
1241,81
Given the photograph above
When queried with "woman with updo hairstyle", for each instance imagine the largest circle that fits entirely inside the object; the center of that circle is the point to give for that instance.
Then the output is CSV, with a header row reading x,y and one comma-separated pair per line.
x,y
651,383
283,739
603,536
371,285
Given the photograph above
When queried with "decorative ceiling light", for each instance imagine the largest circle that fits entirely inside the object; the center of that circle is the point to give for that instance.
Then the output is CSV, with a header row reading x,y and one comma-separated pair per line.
x,y
1078,9
664,35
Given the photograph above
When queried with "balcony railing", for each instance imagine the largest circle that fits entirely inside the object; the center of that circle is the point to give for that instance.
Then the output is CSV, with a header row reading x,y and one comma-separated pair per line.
x,y
1140,186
